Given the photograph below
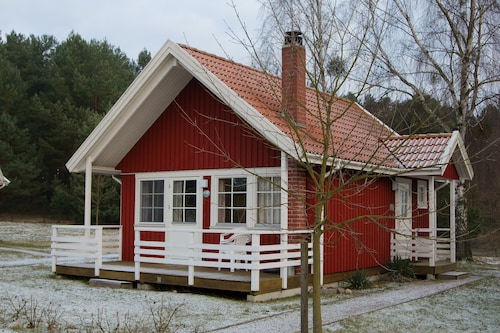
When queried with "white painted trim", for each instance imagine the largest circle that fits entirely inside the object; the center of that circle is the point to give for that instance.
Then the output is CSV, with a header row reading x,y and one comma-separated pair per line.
x,y
87,214
432,220
453,234
422,188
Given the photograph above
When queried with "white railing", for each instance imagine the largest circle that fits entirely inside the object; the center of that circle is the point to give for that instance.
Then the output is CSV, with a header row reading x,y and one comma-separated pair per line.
x,y
191,252
417,246
90,243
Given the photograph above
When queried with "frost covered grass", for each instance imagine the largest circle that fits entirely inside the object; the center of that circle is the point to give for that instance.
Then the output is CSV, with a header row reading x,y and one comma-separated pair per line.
x,y
474,307
32,299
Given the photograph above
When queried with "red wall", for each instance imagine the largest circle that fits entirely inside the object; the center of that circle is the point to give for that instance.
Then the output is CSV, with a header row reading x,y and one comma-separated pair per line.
x,y
174,142
360,243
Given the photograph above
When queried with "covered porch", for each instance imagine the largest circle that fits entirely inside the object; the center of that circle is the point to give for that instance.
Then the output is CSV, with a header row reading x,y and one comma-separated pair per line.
x,y
253,268
432,248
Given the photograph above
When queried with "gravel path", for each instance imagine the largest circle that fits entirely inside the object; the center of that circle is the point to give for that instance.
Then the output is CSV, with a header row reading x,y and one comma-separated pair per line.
x,y
290,321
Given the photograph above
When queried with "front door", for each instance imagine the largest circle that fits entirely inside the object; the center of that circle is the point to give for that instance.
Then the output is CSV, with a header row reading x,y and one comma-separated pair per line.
x,y
403,219
184,215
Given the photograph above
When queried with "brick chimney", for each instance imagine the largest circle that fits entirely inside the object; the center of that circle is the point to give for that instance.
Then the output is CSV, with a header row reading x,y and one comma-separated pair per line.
x,y
293,71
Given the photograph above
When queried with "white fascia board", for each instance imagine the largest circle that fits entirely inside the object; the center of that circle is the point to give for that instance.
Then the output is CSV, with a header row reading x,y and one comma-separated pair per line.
x,y
394,133
108,126
464,161
241,107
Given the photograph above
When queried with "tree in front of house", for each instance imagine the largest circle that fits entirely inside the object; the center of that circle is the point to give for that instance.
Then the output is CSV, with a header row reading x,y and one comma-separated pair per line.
x,y
444,49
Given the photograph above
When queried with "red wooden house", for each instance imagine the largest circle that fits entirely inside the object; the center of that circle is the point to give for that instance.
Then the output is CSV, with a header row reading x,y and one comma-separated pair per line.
x,y
204,149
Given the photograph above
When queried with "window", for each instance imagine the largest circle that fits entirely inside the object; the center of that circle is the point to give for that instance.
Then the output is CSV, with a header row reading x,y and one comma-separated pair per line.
x,y
269,200
232,200
152,203
422,194
184,201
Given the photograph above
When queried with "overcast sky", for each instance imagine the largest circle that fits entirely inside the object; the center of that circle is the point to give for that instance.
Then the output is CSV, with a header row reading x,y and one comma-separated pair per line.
x,y
133,25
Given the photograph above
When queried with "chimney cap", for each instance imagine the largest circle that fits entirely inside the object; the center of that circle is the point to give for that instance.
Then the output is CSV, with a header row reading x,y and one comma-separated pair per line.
x,y
293,37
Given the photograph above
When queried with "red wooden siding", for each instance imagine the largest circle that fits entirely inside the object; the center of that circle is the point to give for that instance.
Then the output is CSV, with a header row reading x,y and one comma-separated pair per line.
x,y
364,242
420,216
174,142
218,140
127,216
450,172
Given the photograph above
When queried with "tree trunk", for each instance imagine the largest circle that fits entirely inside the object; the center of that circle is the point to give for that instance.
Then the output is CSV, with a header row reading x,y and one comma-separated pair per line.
x,y
317,321
464,250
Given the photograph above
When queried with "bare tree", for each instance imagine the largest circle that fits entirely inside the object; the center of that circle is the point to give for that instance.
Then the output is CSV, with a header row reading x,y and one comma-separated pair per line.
x,y
442,48
333,33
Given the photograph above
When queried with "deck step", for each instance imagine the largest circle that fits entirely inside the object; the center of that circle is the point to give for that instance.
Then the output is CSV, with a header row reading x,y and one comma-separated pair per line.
x,y
113,284
453,275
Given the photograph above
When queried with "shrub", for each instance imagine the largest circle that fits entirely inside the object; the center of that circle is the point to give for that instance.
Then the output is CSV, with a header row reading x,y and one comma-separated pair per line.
x,y
401,269
358,280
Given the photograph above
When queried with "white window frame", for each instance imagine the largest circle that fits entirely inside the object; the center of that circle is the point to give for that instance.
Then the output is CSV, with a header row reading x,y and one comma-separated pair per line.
x,y
252,176
138,200
168,179
422,194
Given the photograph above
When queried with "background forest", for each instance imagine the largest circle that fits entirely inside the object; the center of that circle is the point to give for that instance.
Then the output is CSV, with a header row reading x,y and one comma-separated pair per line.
x,y
52,94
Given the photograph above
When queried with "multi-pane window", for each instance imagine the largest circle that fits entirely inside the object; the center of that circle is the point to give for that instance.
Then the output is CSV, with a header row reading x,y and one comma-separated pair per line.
x,y
232,201
184,201
269,200
152,200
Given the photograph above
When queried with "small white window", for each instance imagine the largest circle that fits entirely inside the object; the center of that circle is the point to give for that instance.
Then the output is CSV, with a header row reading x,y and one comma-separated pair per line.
x,y
422,194
152,203
269,200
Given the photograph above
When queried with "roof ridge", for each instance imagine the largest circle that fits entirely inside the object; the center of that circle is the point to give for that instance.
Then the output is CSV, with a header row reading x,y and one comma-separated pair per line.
x,y
419,135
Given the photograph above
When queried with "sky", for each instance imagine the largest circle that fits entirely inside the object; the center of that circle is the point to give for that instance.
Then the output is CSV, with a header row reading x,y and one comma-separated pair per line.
x,y
134,25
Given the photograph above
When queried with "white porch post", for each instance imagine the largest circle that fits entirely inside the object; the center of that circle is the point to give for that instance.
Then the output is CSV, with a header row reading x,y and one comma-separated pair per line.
x,y
432,221
453,243
88,192
284,216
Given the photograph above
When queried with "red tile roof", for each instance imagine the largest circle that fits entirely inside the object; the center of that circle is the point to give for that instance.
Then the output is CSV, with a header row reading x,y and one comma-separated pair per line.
x,y
419,151
356,135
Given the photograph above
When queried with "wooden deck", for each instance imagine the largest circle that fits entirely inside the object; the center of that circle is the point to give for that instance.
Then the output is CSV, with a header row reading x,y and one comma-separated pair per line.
x,y
156,274
422,267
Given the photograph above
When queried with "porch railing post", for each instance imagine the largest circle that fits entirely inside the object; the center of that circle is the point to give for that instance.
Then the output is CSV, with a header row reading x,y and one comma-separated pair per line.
x,y
432,222
191,259
284,268
54,257
98,255
453,242
255,272
137,263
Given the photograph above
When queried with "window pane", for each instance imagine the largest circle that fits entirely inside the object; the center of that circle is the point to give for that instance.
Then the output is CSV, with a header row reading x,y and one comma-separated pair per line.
x,y
240,200
225,185
240,185
178,186
190,186
147,201
177,215
264,184
177,201
190,215
276,216
158,215
158,200
146,215
190,201
158,186
239,216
